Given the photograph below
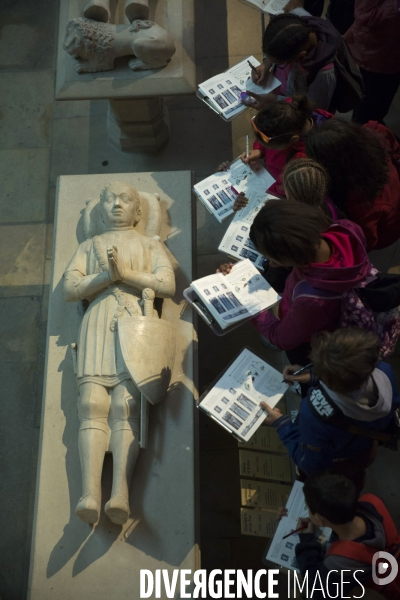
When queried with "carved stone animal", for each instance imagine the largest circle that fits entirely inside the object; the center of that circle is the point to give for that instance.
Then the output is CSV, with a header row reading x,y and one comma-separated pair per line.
x,y
96,45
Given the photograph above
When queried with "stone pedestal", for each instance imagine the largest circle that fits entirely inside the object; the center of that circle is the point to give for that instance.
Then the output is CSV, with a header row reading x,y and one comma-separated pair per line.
x,y
137,125
144,89
70,559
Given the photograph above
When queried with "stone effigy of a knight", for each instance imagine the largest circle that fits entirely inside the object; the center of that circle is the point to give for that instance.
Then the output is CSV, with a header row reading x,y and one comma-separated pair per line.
x,y
125,352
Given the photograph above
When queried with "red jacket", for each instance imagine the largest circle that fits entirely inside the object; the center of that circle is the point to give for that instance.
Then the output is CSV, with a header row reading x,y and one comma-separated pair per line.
x,y
380,220
302,317
374,37
276,160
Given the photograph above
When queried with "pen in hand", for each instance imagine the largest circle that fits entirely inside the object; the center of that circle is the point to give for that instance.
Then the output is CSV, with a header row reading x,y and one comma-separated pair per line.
x,y
295,531
299,371
247,146
253,68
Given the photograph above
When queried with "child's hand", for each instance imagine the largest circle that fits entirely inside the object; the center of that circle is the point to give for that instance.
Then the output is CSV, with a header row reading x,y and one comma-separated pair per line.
x,y
224,166
288,371
225,268
262,100
240,202
273,413
310,525
260,74
253,159
282,512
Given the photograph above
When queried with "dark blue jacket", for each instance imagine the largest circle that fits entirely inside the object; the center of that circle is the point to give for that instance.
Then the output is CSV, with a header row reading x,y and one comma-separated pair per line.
x,y
313,444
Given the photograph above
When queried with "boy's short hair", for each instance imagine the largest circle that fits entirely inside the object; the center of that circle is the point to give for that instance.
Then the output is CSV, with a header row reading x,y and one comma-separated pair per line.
x,y
346,358
331,495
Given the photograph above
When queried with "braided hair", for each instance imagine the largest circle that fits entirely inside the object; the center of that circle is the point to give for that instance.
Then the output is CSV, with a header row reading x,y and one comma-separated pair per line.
x,y
306,181
283,120
285,36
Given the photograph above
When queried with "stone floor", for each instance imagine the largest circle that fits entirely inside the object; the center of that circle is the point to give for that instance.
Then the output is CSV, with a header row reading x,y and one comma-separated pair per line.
x,y
41,139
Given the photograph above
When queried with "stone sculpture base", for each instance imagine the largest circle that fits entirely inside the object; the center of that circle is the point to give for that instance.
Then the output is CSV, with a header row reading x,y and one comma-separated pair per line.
x,y
70,559
133,133
137,125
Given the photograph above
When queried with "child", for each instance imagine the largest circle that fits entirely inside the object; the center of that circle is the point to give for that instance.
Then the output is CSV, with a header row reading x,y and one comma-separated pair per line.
x,y
302,50
306,181
353,394
330,257
361,527
363,167
280,131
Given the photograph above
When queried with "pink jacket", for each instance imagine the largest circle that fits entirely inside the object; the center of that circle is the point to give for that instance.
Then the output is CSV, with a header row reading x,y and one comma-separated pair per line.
x,y
302,317
374,37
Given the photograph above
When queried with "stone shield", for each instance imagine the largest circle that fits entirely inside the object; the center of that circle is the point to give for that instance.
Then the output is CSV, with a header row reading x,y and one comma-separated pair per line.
x,y
148,348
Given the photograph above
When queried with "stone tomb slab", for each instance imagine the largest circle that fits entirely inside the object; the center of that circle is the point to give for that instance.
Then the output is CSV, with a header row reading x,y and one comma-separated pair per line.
x,y
177,78
72,560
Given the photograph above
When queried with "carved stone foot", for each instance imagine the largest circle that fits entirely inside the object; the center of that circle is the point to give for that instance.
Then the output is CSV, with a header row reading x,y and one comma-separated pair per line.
x,y
137,9
117,510
88,509
98,10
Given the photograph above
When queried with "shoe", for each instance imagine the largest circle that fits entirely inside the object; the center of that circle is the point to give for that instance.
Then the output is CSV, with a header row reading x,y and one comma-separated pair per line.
x,y
88,509
117,510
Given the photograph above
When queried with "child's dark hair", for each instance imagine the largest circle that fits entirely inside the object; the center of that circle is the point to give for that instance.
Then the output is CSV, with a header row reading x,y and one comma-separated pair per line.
x,y
282,120
353,156
289,232
285,36
345,358
331,495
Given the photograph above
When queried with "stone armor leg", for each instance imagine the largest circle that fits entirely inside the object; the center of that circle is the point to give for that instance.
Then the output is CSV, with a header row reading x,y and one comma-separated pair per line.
x,y
124,445
93,409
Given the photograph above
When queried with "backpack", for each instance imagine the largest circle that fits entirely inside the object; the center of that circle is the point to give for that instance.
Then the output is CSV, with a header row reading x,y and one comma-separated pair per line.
x,y
361,552
325,409
349,88
374,306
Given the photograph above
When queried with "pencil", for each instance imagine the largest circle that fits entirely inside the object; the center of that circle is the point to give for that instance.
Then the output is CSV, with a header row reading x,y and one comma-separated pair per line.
x,y
253,68
295,531
299,371
247,146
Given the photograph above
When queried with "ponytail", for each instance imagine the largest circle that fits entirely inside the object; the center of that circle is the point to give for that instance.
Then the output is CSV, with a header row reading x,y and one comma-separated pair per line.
x,y
283,120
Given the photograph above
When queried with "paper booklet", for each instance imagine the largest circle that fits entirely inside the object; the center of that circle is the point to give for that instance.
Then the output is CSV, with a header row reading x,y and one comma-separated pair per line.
x,y
234,399
272,7
222,92
230,299
216,193
282,552
236,242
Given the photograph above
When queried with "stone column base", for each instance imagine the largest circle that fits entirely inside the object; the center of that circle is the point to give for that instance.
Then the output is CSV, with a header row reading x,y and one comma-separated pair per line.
x,y
137,125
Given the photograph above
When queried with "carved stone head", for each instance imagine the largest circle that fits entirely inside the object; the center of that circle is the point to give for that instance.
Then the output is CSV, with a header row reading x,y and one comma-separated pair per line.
x,y
120,205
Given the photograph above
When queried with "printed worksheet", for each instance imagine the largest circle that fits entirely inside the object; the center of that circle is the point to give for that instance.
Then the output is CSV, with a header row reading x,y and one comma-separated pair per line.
x,y
236,241
272,7
222,91
231,298
282,551
234,401
216,192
